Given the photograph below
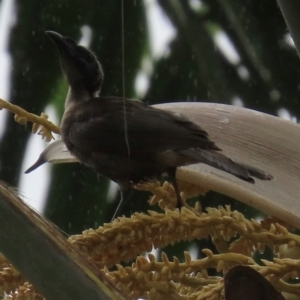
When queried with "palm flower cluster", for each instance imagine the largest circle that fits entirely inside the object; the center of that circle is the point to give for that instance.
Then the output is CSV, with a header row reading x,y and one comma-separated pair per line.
x,y
128,239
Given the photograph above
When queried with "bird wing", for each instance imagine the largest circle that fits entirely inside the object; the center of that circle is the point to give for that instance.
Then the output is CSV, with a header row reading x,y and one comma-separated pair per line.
x,y
99,125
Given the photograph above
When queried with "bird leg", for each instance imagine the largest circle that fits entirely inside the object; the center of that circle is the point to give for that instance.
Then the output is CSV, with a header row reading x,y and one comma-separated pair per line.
x,y
125,196
172,175
119,207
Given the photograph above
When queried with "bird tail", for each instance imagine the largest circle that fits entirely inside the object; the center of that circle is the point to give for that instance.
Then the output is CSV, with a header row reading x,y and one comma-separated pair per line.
x,y
220,161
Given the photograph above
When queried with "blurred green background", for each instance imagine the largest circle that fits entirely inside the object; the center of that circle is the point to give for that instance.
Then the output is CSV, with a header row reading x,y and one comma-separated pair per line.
x,y
225,51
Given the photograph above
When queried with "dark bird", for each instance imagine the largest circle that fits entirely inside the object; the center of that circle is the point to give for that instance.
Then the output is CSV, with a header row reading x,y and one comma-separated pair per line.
x,y
127,140
245,283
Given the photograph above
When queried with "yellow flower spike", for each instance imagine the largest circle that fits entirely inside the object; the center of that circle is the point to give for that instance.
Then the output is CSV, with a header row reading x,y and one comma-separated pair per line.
x,y
223,220
22,120
22,117
249,226
175,214
255,224
187,257
46,134
35,127
216,212
158,276
208,253
164,258
204,273
272,229
198,207
170,276
166,185
121,269
152,294
140,275
141,261
119,237
176,261
199,233
44,116
281,229
19,119
154,200
220,265
228,209
159,200
151,258
165,270
150,276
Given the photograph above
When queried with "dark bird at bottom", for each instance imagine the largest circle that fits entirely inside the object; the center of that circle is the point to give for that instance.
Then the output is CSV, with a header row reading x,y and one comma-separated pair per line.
x,y
127,140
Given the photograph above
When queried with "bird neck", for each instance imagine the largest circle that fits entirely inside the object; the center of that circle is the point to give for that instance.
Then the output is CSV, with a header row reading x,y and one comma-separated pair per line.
x,y
77,95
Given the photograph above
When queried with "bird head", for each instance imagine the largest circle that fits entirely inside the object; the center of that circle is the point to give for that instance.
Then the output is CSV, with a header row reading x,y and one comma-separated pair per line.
x,y
80,65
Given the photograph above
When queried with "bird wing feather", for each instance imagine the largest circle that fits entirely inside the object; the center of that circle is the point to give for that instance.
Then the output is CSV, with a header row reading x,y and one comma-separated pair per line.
x,y
101,126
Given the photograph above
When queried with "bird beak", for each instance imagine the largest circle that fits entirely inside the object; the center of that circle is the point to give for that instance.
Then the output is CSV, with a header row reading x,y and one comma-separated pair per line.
x,y
58,40
68,53
54,35
79,65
